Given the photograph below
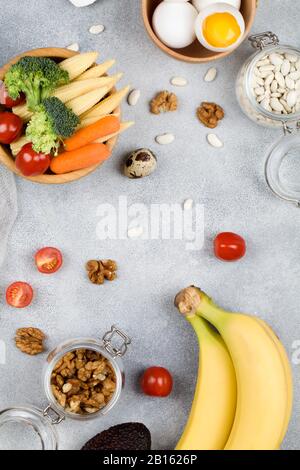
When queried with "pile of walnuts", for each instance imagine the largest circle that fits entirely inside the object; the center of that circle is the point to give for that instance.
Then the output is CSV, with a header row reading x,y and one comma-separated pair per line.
x,y
83,381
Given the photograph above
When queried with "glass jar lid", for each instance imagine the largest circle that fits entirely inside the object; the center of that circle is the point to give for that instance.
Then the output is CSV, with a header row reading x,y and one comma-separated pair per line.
x,y
26,428
282,169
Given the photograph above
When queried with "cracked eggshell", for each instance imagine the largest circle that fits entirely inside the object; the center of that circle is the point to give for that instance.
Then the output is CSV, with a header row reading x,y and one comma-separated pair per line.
x,y
140,163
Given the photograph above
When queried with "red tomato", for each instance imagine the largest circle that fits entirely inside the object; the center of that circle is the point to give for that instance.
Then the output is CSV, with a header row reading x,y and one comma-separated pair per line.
x,y
31,163
7,101
11,127
229,246
48,260
157,382
19,294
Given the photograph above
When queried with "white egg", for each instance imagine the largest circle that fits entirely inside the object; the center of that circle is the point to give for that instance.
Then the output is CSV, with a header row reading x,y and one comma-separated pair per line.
x,y
174,23
211,30
200,4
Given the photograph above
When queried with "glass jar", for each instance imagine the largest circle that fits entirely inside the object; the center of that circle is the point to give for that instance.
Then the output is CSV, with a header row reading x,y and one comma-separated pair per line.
x,y
288,145
36,425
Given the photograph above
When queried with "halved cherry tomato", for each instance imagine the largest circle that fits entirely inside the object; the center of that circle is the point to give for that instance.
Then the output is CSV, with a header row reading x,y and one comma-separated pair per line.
x,y
11,127
48,260
31,163
229,246
157,382
7,101
19,294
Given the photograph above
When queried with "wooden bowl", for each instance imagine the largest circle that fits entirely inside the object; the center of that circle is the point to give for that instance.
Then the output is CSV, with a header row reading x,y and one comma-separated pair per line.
x,y
6,157
194,53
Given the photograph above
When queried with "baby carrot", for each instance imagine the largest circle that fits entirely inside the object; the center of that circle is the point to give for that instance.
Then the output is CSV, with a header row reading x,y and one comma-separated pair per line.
x,y
81,158
105,126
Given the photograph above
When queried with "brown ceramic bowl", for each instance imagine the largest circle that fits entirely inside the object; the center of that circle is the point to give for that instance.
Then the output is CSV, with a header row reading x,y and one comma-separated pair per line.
x,y
194,53
6,157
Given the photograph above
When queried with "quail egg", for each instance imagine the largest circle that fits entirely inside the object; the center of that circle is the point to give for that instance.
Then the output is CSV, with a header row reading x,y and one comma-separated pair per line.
x,y
140,163
173,23
220,27
201,4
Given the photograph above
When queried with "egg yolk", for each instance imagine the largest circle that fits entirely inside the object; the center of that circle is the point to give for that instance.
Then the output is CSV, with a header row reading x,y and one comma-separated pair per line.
x,y
221,30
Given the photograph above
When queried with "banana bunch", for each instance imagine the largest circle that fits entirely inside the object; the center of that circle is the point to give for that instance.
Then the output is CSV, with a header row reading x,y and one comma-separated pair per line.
x,y
244,393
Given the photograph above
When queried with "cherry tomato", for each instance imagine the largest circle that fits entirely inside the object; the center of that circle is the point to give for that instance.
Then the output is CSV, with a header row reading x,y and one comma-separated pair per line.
x,y
11,127
157,382
229,246
31,163
19,294
7,101
48,260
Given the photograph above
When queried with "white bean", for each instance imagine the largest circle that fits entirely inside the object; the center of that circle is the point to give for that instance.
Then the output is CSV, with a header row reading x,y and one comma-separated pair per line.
x,y
275,104
274,86
259,91
295,75
269,80
276,59
214,141
280,79
285,67
289,83
292,98
291,57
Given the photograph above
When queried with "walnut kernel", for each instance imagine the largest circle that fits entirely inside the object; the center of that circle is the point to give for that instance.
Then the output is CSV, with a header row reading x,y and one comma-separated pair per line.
x,y
30,340
100,270
163,102
210,114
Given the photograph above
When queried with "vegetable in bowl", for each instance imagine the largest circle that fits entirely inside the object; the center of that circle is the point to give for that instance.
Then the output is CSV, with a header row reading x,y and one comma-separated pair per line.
x,y
37,77
51,123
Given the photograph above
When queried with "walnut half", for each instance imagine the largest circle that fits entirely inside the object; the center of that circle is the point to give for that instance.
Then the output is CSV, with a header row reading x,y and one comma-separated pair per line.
x,y
30,340
163,102
210,114
100,270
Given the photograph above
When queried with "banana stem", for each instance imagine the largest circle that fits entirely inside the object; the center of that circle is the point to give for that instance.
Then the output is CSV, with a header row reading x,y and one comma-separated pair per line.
x,y
192,301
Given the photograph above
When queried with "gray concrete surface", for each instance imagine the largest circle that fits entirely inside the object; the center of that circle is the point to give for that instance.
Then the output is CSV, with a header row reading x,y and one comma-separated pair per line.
x,y
228,182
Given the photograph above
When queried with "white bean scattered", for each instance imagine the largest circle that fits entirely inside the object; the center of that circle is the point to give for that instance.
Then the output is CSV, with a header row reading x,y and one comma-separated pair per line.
x,y
134,97
214,141
210,75
97,29
135,232
73,47
178,81
165,139
188,204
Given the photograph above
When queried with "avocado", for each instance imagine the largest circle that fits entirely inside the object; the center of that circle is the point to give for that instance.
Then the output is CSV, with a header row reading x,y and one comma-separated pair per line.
x,y
126,436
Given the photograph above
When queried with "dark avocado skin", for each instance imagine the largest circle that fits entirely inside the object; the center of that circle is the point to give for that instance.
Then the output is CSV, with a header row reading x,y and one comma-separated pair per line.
x,y
126,436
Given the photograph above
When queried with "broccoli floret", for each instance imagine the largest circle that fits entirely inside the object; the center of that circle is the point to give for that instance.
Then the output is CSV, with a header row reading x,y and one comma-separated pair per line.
x,y
51,123
37,77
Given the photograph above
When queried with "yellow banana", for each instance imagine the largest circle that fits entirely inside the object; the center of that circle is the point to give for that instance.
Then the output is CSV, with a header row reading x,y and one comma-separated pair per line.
x,y
262,392
288,373
214,404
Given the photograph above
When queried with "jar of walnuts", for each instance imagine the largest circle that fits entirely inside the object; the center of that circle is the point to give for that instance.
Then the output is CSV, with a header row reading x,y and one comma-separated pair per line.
x,y
83,379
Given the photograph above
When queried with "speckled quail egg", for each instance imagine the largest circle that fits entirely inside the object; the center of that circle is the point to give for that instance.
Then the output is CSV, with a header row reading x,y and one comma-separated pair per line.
x,y
201,4
173,23
220,27
140,163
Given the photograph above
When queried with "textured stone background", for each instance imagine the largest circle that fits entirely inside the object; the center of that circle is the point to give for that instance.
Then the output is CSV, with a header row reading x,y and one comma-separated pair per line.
x,y
229,182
